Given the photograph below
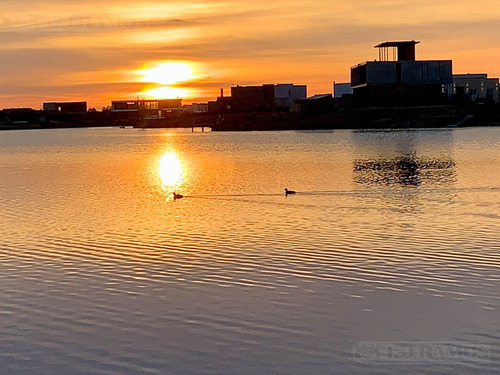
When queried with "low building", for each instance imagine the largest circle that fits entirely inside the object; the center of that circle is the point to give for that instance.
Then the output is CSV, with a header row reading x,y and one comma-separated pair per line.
x,y
401,78
65,107
476,87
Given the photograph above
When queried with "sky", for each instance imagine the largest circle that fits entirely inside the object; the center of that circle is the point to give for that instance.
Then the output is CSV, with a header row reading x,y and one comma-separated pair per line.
x,y
103,50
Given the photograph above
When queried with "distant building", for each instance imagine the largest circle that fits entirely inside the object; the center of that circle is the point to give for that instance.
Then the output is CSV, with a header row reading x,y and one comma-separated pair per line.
x,y
286,95
147,108
341,89
476,87
21,116
256,98
65,107
200,107
399,78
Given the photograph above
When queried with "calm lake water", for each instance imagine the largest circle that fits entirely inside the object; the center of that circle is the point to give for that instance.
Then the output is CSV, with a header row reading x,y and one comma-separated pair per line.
x,y
386,261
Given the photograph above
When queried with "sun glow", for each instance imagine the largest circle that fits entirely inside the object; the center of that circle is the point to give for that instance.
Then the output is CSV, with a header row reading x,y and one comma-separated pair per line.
x,y
166,78
170,169
166,92
168,73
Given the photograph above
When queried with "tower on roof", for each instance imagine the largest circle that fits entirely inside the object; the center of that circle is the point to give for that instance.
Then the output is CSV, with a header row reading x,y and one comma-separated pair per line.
x,y
405,51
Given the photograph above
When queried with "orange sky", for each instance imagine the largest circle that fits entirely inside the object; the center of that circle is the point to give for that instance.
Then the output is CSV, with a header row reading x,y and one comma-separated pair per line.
x,y
61,51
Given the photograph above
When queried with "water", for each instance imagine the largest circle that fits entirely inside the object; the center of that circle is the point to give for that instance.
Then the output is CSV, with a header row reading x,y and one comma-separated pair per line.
x,y
391,242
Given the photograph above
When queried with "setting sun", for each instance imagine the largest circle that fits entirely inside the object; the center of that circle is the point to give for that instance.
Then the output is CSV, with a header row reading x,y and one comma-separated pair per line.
x,y
168,73
170,169
166,92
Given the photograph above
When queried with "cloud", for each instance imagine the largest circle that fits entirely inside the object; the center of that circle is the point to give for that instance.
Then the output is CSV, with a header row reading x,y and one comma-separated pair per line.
x,y
91,47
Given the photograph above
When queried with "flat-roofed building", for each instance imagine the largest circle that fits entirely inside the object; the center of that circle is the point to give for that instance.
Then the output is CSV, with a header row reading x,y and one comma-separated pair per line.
x,y
397,77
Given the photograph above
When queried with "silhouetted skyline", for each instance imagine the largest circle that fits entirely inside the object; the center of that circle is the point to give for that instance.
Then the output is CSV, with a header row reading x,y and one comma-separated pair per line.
x,y
107,50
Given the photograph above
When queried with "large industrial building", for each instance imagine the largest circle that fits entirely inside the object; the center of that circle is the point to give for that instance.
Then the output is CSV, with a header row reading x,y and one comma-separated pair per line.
x,y
397,78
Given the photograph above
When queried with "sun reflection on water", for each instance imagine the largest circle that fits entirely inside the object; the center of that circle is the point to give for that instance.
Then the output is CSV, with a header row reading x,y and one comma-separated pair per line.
x,y
170,169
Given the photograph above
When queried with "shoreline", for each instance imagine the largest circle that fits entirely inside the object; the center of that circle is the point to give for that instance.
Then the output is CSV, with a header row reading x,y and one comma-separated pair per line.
x,y
445,116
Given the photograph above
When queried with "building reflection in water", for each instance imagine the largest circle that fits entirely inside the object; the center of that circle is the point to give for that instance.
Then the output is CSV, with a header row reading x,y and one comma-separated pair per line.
x,y
408,158
405,170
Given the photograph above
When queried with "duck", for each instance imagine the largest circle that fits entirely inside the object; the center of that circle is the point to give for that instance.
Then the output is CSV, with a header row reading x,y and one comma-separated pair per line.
x,y
177,196
288,192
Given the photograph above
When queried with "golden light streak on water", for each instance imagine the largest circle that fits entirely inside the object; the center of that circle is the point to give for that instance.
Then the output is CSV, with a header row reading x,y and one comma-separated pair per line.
x,y
170,169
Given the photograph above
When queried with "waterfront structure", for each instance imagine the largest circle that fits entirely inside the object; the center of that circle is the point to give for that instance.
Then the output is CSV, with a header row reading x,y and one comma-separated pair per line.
x,y
476,87
397,77
147,108
65,107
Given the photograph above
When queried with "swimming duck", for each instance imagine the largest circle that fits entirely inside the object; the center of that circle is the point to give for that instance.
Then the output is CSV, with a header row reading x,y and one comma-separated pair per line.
x,y
288,192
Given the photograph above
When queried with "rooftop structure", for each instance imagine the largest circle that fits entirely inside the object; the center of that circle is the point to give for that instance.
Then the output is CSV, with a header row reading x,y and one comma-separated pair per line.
x,y
401,51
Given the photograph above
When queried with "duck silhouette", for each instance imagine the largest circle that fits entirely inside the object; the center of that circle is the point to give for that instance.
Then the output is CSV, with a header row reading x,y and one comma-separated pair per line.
x,y
177,196
289,192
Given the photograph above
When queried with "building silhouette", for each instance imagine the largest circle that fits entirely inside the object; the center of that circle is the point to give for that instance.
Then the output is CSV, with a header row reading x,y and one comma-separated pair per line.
x,y
397,78
65,107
